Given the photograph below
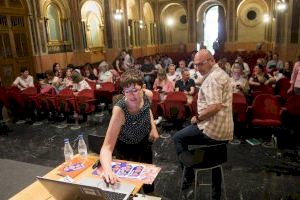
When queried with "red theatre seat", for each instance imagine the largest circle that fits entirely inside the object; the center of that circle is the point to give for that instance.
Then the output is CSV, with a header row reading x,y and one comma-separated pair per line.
x,y
266,111
239,107
174,106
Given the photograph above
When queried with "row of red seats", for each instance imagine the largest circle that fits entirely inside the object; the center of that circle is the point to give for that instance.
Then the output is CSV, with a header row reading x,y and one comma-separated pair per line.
x,y
26,101
265,109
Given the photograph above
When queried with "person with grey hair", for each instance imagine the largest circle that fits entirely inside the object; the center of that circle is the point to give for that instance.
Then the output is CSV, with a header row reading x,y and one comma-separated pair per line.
x,y
105,74
239,83
79,83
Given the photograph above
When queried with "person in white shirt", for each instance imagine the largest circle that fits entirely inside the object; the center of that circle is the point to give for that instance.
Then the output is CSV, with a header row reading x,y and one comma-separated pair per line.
x,y
104,75
238,82
79,83
274,63
128,60
172,74
24,80
274,76
182,66
246,69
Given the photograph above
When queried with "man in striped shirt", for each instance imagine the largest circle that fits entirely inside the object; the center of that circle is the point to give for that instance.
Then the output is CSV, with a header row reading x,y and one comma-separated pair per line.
x,y
214,123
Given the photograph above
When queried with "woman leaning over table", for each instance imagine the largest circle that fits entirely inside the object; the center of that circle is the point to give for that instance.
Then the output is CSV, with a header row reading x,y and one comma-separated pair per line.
x,y
131,129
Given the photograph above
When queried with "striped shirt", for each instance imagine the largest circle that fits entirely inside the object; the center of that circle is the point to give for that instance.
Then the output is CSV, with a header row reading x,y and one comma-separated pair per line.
x,y
295,78
216,89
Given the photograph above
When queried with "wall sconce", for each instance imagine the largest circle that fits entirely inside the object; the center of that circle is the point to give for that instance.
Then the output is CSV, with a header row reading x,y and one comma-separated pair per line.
x,y
118,14
141,24
281,5
266,18
170,21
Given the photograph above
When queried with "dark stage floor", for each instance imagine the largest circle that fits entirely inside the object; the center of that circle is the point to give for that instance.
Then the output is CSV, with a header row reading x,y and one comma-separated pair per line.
x,y
251,172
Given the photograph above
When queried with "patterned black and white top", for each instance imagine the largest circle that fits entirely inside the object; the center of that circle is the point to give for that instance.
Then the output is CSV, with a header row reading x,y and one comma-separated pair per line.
x,y
136,127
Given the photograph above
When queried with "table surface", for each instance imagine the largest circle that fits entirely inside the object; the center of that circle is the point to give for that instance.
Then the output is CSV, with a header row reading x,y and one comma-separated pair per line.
x,y
36,191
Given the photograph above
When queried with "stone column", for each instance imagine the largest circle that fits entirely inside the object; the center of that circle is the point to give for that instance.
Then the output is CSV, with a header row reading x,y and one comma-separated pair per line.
x,y
76,26
191,19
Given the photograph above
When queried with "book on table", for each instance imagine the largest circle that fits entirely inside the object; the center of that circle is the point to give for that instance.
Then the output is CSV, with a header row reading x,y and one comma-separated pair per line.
x,y
74,167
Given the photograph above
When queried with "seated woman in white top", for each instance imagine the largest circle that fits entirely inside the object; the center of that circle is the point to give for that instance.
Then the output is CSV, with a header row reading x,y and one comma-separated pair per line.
x,y
79,83
239,83
104,74
172,74
24,80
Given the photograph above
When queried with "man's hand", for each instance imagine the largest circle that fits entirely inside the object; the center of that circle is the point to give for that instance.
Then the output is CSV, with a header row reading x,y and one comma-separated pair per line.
x,y
194,120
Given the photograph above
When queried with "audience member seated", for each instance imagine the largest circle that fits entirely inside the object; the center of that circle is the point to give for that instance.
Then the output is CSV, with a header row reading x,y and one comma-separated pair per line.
x,y
239,83
118,64
225,65
274,63
172,74
87,72
196,76
295,78
186,85
191,62
287,69
245,66
149,71
24,80
104,74
79,83
274,76
128,60
181,66
51,80
166,61
56,68
114,72
162,84
67,81
259,77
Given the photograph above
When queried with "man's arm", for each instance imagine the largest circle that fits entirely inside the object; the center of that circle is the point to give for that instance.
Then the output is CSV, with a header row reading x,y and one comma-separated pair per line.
x,y
211,110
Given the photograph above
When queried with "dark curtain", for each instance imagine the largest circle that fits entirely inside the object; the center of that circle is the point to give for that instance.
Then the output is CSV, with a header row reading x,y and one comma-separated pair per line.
x,y
222,35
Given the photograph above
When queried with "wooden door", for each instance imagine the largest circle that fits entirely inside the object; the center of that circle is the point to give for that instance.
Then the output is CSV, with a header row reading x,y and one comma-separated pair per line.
x,y
15,45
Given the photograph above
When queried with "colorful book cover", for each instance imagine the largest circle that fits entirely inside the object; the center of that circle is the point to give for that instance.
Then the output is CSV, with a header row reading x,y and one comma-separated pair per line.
x,y
74,167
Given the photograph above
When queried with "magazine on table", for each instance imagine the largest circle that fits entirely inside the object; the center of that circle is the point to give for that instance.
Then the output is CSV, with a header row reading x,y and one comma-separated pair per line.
x,y
144,172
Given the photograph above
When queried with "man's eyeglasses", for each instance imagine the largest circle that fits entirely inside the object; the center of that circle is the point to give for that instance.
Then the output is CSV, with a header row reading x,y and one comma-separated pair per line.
x,y
201,63
133,90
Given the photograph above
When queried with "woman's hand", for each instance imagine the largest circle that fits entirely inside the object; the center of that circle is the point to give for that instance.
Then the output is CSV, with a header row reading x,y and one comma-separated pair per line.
x,y
153,135
110,177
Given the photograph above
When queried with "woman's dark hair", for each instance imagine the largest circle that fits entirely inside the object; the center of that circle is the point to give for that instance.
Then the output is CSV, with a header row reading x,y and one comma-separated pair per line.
x,y
131,76
23,69
53,67
49,73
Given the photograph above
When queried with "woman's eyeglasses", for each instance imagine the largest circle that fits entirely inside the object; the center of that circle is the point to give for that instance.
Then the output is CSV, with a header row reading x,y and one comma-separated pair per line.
x,y
128,91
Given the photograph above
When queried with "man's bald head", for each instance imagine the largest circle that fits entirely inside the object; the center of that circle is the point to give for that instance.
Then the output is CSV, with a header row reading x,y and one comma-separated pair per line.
x,y
204,61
